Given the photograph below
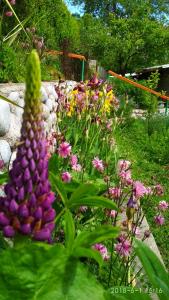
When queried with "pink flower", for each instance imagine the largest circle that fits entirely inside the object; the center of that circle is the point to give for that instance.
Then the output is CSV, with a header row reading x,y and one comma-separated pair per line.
x,y
83,208
123,248
12,2
64,149
126,177
66,177
149,191
77,168
136,231
159,190
8,13
123,165
109,125
111,213
139,189
1,164
163,205
73,160
115,192
103,250
98,164
159,220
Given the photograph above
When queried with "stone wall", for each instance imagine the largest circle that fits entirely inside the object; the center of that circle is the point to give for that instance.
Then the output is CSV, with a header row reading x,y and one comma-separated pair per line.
x,y
11,116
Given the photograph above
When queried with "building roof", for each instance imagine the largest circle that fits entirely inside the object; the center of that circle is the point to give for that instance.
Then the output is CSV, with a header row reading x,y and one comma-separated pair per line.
x,y
147,70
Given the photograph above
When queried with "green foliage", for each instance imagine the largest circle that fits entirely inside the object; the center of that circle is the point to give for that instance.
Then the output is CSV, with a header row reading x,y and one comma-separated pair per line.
x,y
156,272
39,271
12,65
142,99
148,150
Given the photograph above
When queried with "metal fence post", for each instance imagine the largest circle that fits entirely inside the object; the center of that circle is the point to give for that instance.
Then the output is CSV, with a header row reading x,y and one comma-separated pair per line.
x,y
166,108
83,69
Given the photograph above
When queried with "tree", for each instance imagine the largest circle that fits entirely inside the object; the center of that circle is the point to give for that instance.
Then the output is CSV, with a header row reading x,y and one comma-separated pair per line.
x,y
135,43
123,8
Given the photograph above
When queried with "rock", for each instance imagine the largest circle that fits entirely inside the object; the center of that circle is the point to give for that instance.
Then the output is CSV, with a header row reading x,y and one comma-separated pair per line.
x,y
51,91
46,111
21,94
4,117
13,134
14,96
44,94
5,151
49,104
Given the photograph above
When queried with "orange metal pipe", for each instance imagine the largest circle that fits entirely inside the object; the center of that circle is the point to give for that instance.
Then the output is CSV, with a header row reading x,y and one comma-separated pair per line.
x,y
71,55
138,85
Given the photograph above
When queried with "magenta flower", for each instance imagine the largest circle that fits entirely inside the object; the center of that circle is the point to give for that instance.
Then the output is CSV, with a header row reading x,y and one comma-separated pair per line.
x,y
64,149
27,207
74,163
136,231
8,13
123,248
126,177
83,209
66,177
139,189
111,213
77,168
1,164
94,83
103,251
98,164
115,192
123,165
159,220
12,2
73,160
159,190
163,205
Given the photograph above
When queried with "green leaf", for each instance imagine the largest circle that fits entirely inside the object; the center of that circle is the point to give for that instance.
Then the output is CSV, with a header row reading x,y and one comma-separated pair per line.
x,y
71,186
154,269
11,36
96,201
89,253
69,230
3,178
42,272
84,190
20,23
57,186
100,234
53,164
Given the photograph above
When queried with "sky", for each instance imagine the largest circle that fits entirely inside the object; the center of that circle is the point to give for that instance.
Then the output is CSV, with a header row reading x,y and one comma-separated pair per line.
x,y
74,8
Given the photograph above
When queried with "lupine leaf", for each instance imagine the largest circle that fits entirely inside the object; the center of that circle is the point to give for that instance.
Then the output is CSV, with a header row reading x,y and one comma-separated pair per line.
x,y
42,272
84,190
95,201
89,253
100,234
57,186
69,230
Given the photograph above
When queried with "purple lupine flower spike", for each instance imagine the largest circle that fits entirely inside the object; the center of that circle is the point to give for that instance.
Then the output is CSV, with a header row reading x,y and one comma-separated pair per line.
x,y
27,207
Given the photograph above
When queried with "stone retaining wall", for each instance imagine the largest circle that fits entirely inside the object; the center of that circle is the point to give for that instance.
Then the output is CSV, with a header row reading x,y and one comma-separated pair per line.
x,y
11,116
